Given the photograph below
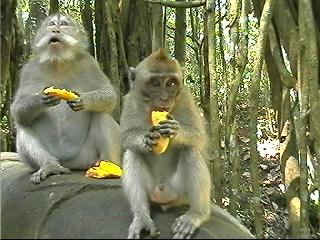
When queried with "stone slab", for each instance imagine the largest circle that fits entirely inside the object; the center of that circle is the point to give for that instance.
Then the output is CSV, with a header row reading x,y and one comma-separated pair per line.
x,y
74,206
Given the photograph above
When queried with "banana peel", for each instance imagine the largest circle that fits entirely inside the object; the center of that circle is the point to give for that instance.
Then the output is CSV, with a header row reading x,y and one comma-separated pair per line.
x,y
105,169
156,117
63,94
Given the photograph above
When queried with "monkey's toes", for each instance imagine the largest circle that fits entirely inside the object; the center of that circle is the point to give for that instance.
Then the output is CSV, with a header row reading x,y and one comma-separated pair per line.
x,y
134,233
183,227
53,169
36,177
154,232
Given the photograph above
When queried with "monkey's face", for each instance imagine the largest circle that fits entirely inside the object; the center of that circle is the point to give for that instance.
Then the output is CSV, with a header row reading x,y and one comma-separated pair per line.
x,y
156,82
59,38
160,91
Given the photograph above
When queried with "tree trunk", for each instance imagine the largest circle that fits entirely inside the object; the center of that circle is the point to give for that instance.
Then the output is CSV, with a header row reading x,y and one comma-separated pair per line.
x,y
254,100
180,35
113,72
86,16
157,27
98,20
38,12
307,76
53,6
241,62
11,52
138,41
214,108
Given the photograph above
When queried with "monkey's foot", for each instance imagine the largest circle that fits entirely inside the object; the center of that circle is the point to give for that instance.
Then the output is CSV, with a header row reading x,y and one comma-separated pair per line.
x,y
183,227
138,225
47,170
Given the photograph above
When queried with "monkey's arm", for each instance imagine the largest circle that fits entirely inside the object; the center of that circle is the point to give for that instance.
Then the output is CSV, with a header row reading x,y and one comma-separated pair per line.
x,y
100,100
26,107
139,140
189,135
135,134
29,101
191,130
184,129
101,96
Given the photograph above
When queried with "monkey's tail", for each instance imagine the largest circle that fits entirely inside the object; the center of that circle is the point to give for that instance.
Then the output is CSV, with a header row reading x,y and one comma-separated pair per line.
x,y
13,156
223,214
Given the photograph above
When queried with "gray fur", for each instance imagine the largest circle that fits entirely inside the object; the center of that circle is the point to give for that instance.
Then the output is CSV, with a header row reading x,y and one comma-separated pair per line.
x,y
182,168
52,136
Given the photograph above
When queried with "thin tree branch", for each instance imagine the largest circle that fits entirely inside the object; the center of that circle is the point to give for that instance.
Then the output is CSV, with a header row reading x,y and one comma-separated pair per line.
x,y
178,4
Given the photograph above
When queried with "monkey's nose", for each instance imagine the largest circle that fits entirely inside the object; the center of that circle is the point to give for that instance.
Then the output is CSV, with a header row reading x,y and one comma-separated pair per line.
x,y
56,31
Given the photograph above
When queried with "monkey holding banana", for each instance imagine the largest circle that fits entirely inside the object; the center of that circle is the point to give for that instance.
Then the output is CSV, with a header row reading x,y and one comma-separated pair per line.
x,y
180,174
55,135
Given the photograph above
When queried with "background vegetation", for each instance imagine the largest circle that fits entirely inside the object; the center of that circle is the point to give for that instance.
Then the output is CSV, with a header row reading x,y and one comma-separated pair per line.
x,y
253,67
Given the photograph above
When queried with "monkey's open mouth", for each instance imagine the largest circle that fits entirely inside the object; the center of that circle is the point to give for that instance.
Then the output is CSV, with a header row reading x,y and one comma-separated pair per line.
x,y
54,40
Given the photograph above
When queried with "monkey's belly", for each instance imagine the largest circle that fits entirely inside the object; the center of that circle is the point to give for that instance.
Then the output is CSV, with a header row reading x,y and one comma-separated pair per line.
x,y
162,194
63,132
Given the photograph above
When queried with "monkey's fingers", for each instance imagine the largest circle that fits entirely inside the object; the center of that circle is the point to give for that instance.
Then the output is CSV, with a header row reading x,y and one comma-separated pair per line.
x,y
154,232
47,170
183,227
135,228
76,104
36,177
155,135
77,108
168,132
154,128
46,97
169,123
50,100
150,143
147,143
170,117
76,101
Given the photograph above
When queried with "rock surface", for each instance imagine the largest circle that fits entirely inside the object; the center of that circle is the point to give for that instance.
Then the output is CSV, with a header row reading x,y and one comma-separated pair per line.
x,y
73,206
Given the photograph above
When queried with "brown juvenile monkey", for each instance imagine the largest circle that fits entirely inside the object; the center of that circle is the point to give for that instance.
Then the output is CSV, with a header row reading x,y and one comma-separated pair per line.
x,y
180,174
54,136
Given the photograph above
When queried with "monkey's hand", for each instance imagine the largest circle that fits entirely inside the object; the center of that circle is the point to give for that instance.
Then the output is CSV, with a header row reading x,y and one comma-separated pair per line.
x,y
49,100
151,139
76,104
184,226
140,223
167,128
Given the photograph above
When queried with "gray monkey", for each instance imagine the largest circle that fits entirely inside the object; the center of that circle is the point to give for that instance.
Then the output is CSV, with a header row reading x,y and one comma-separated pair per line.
x,y
179,175
54,136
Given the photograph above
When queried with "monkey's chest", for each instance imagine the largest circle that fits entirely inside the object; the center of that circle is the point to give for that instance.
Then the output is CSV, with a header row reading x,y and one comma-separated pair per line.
x,y
63,131
162,166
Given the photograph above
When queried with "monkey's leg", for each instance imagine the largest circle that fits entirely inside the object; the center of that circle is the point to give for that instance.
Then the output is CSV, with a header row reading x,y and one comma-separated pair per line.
x,y
107,134
102,143
194,179
136,182
34,153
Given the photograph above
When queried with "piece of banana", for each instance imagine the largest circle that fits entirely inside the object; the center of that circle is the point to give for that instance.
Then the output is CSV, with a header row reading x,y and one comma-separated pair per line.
x,y
156,117
61,93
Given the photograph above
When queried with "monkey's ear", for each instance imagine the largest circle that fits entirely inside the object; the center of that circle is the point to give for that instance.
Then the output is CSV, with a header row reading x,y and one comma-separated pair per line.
x,y
131,76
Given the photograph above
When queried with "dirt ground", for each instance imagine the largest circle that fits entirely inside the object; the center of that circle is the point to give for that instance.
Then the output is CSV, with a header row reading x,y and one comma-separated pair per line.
x,y
275,214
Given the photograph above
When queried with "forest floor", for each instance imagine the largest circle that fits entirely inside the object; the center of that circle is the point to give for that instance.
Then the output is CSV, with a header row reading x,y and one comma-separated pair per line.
x,y
275,213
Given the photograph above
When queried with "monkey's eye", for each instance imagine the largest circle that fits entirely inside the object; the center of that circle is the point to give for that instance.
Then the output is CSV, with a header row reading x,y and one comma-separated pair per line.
x,y
64,23
155,83
171,83
52,23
